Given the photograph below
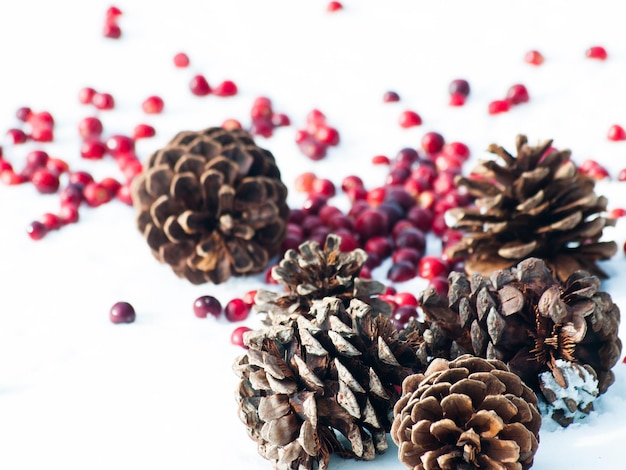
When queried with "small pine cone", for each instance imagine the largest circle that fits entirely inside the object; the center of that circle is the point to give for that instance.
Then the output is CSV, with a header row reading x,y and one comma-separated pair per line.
x,y
534,205
211,204
526,318
466,414
312,273
304,379
574,400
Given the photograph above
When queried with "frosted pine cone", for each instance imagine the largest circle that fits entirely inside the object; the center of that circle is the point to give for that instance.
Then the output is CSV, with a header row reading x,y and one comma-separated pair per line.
x,y
466,414
211,204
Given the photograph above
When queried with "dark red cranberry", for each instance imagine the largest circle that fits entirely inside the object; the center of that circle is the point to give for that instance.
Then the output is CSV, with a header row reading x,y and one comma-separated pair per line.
x,y
311,223
80,178
517,94
36,230
71,195
401,271
122,312
409,118
373,261
199,85
348,240
45,181
397,176
37,158
226,88
23,113
533,57
153,105
400,226
358,207
596,52
406,156
440,284
236,310
616,132
381,246
313,203
370,223
459,86
410,255
236,337
85,95
391,97
431,266
327,213
422,218
402,315
181,60
439,225
312,148
411,238
350,182
296,216
103,101
400,196
432,142
17,136
341,221
207,305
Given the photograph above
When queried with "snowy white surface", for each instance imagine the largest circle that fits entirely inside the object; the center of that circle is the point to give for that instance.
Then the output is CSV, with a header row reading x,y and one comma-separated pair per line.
x,y
77,392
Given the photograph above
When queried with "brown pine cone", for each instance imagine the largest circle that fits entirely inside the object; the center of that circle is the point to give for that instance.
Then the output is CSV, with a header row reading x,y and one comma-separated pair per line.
x,y
211,204
312,273
336,369
526,318
466,414
536,204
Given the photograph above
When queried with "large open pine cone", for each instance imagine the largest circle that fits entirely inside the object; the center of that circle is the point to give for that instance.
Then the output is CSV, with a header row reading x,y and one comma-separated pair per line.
x,y
312,273
534,205
466,414
528,319
211,204
336,370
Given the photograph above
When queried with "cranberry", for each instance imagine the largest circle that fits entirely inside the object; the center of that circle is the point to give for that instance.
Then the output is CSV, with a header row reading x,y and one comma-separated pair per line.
x,y
411,237
431,266
312,148
93,149
120,144
181,60
111,30
517,94
122,312
350,182
405,299
432,142
314,119
42,134
261,108
68,214
111,185
113,12
280,120
391,97
411,255
459,86
370,223
143,131
153,105
314,203
36,158
380,160
596,52
381,246
45,181
95,194
80,178
327,135
226,88
324,187
199,85
17,136
103,101
341,221
42,119
236,310
249,297
401,271
296,216
334,6
402,315
231,124
616,132
207,305
5,166
124,194
23,113
376,196
409,119
90,127
456,99
533,57
71,195
440,284
10,178
327,213
422,218
36,230
393,213
456,149
348,240
617,213
498,106
51,221
85,95
236,337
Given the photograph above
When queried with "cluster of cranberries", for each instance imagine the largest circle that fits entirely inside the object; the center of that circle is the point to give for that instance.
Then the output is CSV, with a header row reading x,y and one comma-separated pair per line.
x,y
111,28
516,94
264,119
390,221
314,140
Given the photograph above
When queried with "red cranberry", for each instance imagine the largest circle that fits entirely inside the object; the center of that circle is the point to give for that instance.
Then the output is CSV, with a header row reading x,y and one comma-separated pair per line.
x,y
324,187
17,136
400,196
350,182
334,6
401,271
5,166
348,240
113,12
122,312
236,337
36,230
36,158
45,181
143,131
68,214
498,106
23,113
42,119
93,149
311,223
304,182
199,85
296,216
341,221
517,94
207,305
616,132
181,60
231,124
248,297
617,213
376,196
409,119
381,246
314,203
71,195
111,30
95,194
459,86
236,310
153,105
261,108
51,221
380,160
402,315
85,95
124,194
111,185
373,261
42,134
596,52
391,97
406,157
80,178
103,101
10,178
422,218
405,299
370,223
262,127
90,127
457,149
280,120
226,88
312,148
430,267
393,213
327,213
456,99
411,237
439,225
533,57
440,284
327,135
432,142
118,144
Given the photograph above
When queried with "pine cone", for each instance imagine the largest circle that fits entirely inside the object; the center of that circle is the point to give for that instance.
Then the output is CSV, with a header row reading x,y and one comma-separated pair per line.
x,y
526,318
534,205
466,414
304,379
211,204
312,273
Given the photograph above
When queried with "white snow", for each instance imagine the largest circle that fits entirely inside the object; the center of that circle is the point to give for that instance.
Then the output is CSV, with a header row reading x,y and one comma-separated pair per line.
x,y
77,392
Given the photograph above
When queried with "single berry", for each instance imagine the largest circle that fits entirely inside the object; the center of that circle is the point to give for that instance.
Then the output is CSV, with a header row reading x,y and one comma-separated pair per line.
x,y
280,120
45,181
409,119
324,187
517,94
153,105
181,60
90,127
118,144
596,52
459,86
71,195
51,221
430,267
401,271
226,88
304,182
236,337
616,132
405,298
236,310
113,12
143,131
23,113
122,312
124,194
68,214
391,97
199,85
103,101
432,142
498,106
80,178
230,124
85,95
370,223
111,30
248,297
17,136
94,194
93,149
36,158
334,6
380,160
312,148
42,134
207,305
402,315
37,230
327,135
533,57
456,99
